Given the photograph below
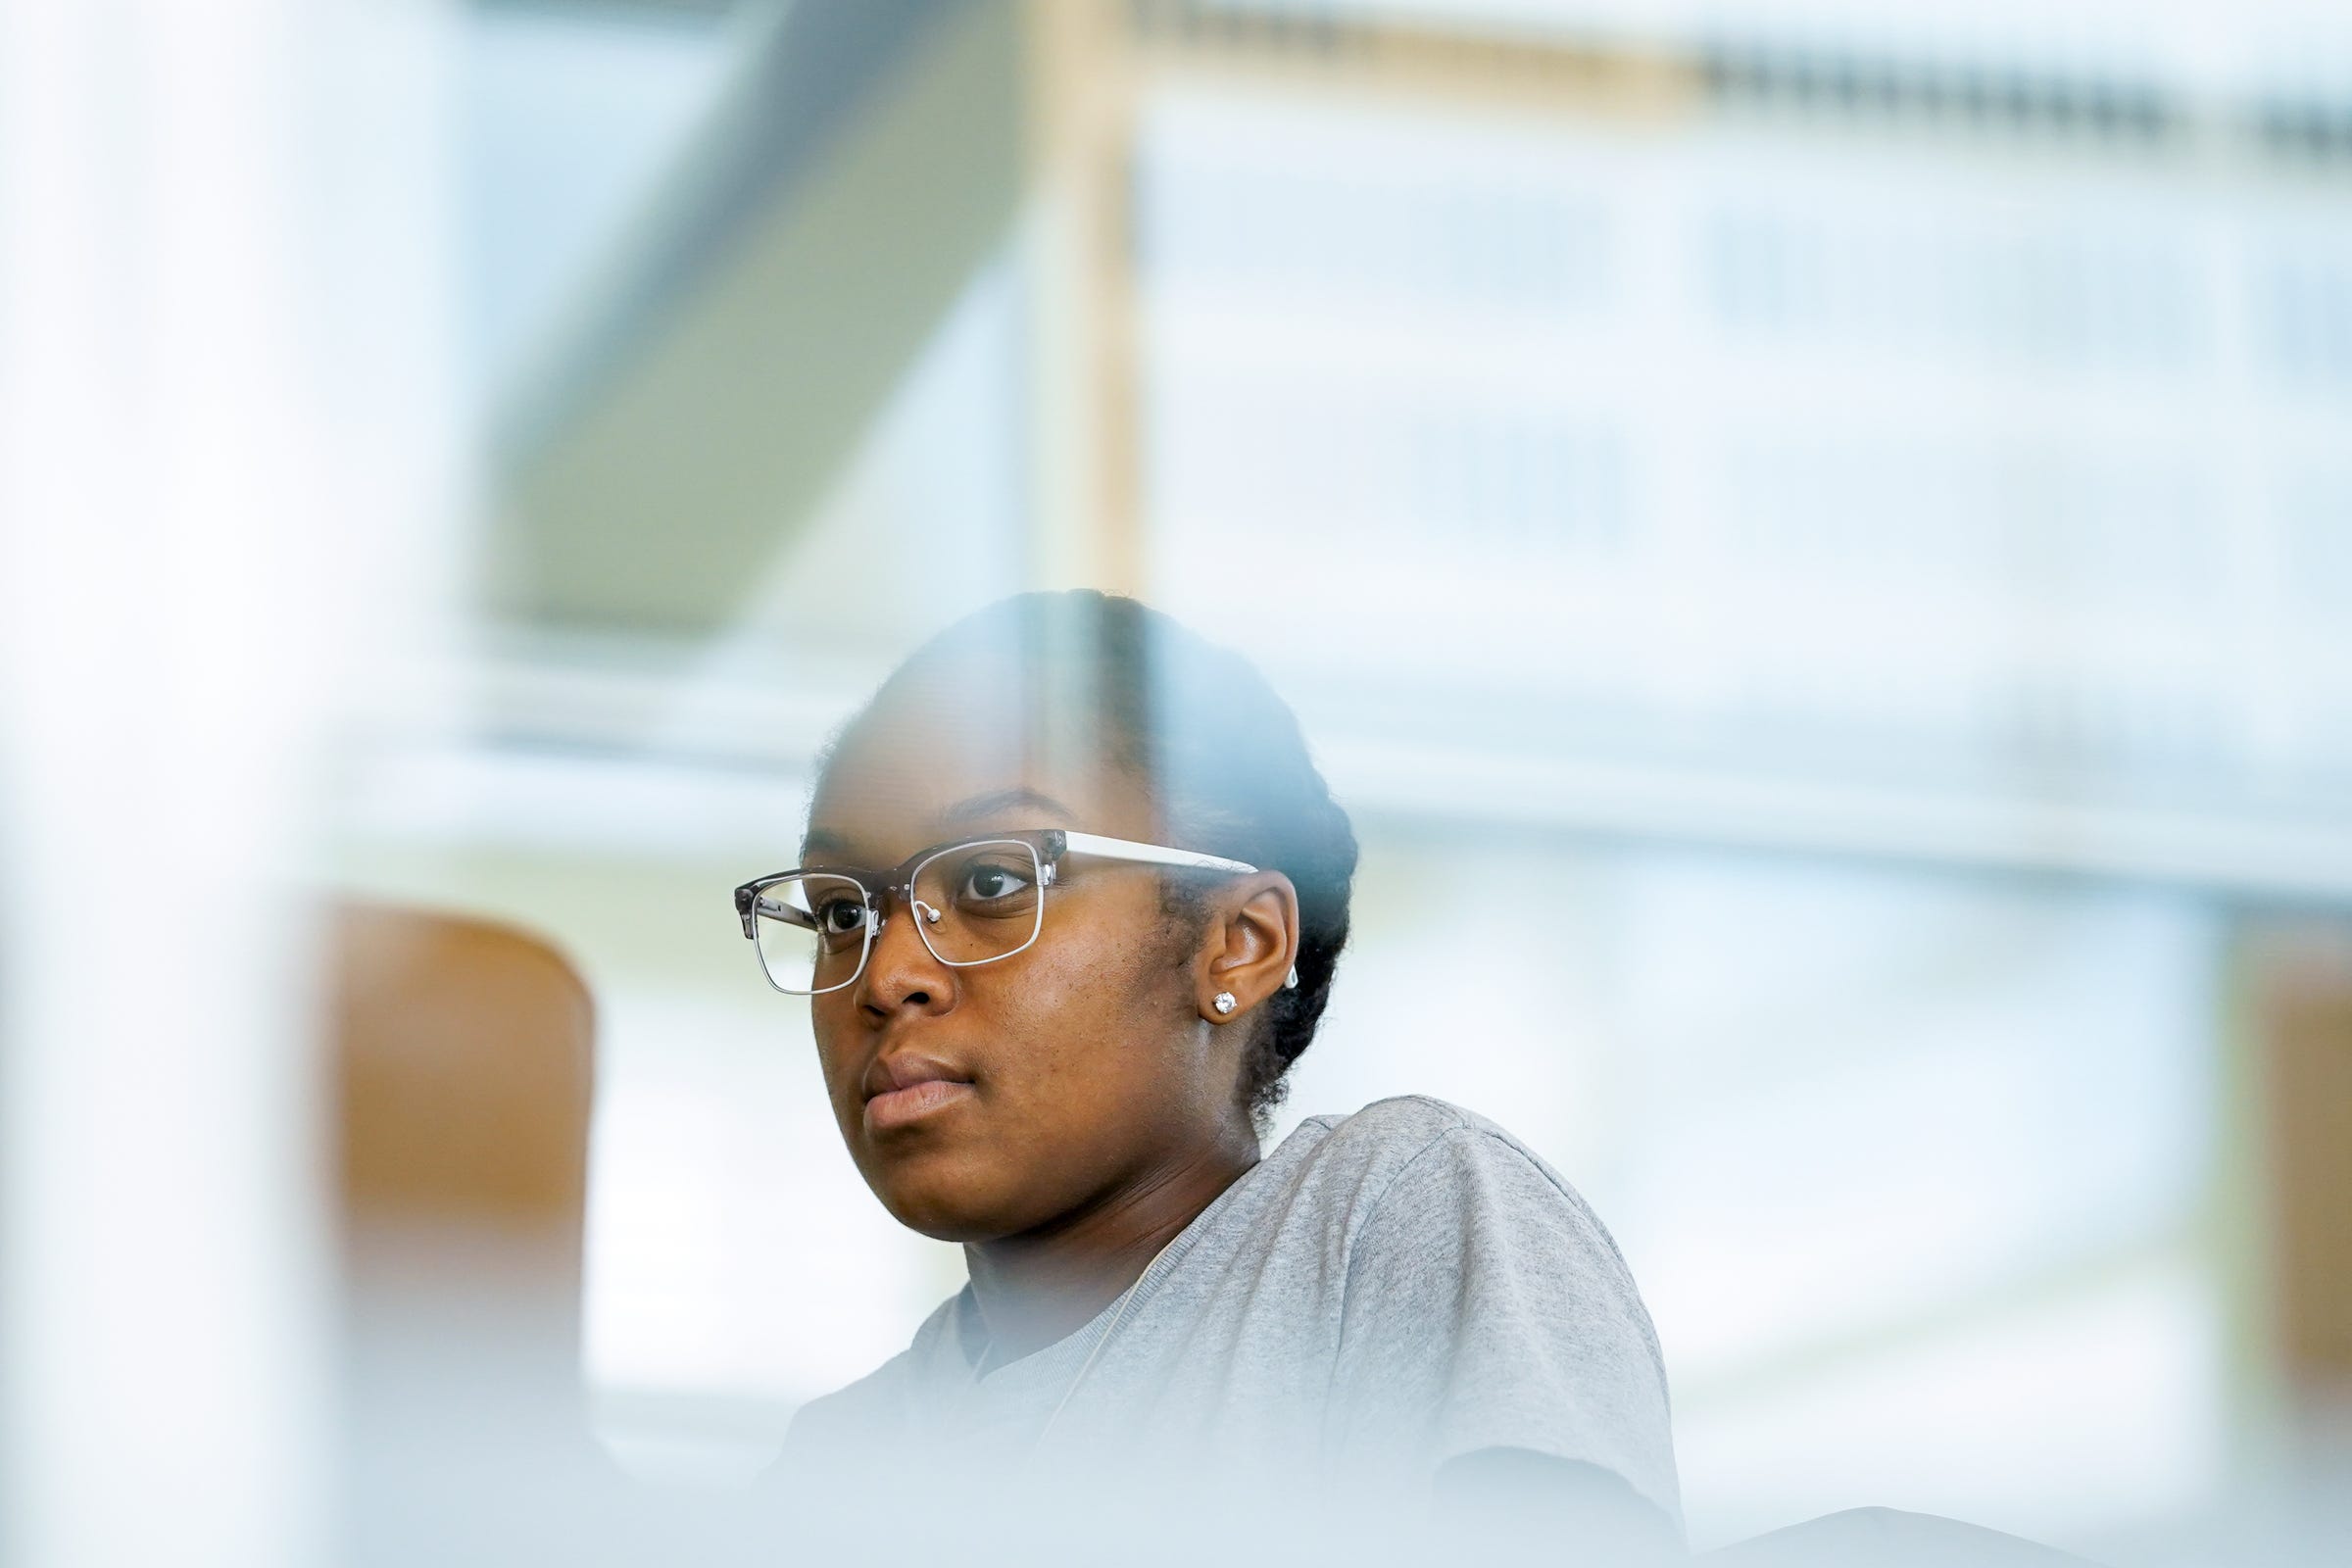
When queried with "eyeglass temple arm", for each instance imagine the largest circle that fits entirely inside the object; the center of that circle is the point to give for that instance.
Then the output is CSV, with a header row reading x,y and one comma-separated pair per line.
x,y
1145,853
751,905
1152,854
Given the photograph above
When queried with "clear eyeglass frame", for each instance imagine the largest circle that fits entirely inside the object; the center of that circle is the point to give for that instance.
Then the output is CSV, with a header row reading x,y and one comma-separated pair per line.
x,y
783,913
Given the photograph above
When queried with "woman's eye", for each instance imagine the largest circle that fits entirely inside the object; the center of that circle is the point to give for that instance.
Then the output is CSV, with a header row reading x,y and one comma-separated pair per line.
x,y
840,915
984,882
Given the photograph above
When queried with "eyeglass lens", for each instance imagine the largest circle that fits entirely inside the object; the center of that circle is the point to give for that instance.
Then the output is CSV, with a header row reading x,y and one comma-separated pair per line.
x,y
971,903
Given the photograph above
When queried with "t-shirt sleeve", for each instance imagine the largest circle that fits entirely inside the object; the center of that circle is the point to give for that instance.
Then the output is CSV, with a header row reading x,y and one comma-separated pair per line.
x,y
1487,1308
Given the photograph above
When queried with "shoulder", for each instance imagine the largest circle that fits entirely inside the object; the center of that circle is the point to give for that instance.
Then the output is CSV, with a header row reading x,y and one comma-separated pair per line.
x,y
1486,1306
878,1404
858,1407
1454,1190
1414,1143
1385,1136
1416,1169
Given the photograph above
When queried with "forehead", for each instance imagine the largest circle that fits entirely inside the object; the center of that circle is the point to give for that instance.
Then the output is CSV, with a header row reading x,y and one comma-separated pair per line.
x,y
960,749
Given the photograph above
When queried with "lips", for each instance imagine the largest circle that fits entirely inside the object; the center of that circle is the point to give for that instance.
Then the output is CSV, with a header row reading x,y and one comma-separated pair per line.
x,y
901,1089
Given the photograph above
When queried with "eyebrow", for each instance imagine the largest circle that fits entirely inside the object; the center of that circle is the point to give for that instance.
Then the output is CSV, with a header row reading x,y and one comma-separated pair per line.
x,y
820,840
964,814
980,807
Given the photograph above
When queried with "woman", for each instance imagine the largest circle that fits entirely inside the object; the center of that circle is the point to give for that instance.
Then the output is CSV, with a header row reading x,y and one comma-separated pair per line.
x,y
1072,901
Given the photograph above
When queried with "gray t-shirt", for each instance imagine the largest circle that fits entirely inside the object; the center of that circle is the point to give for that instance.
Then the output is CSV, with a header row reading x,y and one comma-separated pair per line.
x,y
1381,1292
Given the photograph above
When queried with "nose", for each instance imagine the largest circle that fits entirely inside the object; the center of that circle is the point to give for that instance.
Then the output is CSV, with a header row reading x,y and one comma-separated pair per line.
x,y
901,972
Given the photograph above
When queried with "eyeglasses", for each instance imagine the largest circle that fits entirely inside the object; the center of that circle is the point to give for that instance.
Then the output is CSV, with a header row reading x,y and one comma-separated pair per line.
x,y
974,901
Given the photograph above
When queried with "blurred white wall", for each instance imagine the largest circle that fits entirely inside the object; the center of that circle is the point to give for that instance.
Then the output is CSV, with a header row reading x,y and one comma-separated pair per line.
x,y
229,487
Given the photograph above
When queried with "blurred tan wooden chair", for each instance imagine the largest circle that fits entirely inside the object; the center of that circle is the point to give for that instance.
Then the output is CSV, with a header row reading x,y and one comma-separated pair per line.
x,y
463,1060
465,1057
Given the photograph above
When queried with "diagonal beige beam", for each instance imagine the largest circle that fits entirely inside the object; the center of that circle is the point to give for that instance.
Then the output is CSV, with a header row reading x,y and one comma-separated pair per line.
x,y
861,171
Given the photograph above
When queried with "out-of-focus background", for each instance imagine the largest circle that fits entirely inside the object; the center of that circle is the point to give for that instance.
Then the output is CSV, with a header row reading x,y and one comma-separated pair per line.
x,y
1829,524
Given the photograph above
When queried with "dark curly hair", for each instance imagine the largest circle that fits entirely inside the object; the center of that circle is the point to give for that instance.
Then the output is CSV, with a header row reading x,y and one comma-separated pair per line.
x,y
1219,753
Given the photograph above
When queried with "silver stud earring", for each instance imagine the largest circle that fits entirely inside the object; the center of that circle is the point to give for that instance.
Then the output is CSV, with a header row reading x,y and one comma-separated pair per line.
x,y
1291,984
1223,1002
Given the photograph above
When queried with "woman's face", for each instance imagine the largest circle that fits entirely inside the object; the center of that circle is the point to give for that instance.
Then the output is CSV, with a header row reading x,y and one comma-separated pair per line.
x,y
1054,1080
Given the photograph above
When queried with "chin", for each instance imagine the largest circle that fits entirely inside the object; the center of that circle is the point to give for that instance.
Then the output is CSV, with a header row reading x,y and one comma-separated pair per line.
x,y
935,1196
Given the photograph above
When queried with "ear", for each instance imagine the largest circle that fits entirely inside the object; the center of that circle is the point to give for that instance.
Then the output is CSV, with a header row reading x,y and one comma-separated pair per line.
x,y
1247,950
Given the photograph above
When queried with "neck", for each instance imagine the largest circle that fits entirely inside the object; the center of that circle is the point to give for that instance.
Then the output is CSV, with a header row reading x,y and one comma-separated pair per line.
x,y
1043,1285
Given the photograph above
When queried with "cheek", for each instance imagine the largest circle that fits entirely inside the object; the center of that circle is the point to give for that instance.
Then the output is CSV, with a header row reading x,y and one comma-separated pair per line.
x,y
1092,1023
838,1046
